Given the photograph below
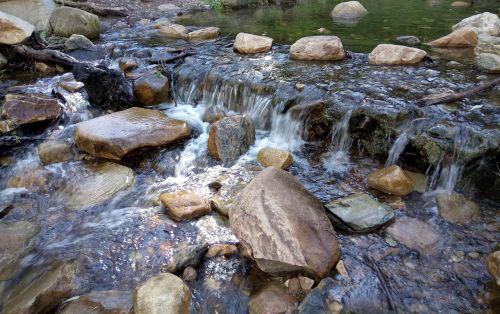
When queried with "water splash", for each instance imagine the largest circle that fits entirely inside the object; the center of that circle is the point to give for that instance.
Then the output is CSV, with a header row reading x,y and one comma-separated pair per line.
x,y
403,139
337,159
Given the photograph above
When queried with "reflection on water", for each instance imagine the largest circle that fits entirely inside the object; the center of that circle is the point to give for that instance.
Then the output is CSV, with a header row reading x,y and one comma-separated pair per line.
x,y
385,21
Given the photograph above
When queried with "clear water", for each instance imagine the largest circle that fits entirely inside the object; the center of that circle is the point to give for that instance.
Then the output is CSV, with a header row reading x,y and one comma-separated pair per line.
x,y
386,20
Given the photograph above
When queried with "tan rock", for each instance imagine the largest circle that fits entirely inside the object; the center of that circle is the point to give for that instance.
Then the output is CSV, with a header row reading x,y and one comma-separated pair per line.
x,y
213,114
387,54
209,33
485,23
54,151
419,179
184,205
488,62
71,86
461,38
127,64
165,293
115,135
275,157
391,180
151,89
14,30
173,31
323,48
221,250
460,4
189,274
224,199
457,208
272,299
30,108
285,226
47,68
66,21
493,266
33,178
249,43
414,233
349,10
230,137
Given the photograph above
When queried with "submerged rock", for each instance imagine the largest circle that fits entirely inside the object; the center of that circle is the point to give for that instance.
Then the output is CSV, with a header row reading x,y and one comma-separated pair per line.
x,y
493,266
165,293
408,40
284,226
457,208
42,291
488,62
66,21
30,108
209,33
460,38
316,124
272,299
391,180
184,205
173,31
100,302
361,212
91,183
485,23
349,10
14,30
414,233
151,89
224,199
118,134
189,274
33,178
387,54
249,43
191,255
231,137
419,179
17,240
275,157
323,48
54,151
321,299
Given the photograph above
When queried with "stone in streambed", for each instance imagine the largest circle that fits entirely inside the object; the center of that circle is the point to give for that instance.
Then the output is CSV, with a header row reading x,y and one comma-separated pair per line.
x,y
414,233
30,108
349,10
165,293
224,199
361,212
128,64
321,299
115,135
209,33
172,30
249,43
408,40
487,44
71,86
272,298
18,239
221,250
457,208
387,54
213,114
100,302
493,266
320,48
79,42
191,255
488,62
189,274
41,291
66,21
231,137
485,23
461,38
284,226
419,179
391,180
275,157
3,61
14,30
184,205
151,89
54,151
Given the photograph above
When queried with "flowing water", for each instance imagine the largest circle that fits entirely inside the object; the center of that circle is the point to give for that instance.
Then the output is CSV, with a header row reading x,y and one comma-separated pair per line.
x,y
126,237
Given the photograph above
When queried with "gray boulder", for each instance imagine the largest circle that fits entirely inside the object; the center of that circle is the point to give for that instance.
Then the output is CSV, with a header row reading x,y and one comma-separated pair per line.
x,y
488,62
66,21
79,42
14,30
231,137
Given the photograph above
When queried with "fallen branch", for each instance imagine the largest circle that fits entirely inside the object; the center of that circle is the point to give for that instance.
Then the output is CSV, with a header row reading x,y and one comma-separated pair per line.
x,y
171,59
464,94
103,11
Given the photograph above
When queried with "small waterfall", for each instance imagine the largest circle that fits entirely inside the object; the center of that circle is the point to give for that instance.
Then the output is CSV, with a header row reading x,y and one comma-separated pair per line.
x,y
449,170
412,129
337,159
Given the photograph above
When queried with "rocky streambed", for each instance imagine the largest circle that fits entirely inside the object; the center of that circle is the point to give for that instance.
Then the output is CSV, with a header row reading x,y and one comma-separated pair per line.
x,y
247,182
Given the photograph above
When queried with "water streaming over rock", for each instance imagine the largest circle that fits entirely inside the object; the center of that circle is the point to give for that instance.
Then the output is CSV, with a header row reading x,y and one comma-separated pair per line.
x,y
402,141
337,158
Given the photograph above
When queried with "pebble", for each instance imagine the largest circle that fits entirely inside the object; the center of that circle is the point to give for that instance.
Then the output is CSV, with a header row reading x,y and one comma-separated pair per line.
x,y
474,255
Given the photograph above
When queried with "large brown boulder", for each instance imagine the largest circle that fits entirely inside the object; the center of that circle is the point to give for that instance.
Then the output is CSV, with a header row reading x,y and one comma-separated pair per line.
x,y
461,38
284,226
322,48
151,89
184,205
165,293
231,137
249,43
30,108
414,233
391,180
115,135
387,54
14,30
66,21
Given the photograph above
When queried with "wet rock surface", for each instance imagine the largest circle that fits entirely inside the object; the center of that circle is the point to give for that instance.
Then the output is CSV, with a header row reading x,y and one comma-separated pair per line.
x,y
485,23
66,21
391,180
457,208
151,89
275,157
231,137
323,48
17,240
100,302
30,108
386,54
184,205
302,239
493,265
415,234
115,135
249,43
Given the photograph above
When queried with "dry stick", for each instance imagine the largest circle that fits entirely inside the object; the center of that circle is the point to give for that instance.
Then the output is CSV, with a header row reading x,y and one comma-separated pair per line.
x,y
466,93
103,11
